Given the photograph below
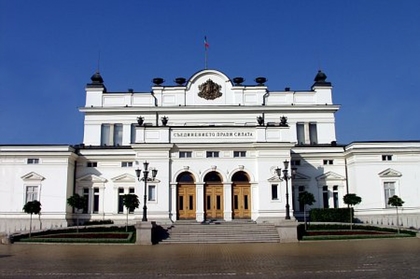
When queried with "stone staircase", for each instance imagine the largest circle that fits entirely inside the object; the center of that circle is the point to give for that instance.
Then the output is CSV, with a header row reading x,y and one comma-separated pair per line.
x,y
221,232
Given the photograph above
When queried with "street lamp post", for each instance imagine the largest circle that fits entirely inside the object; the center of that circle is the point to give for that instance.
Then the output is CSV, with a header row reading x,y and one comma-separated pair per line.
x,y
286,177
145,178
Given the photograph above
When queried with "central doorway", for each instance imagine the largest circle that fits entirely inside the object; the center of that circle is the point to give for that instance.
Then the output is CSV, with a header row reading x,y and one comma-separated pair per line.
x,y
213,196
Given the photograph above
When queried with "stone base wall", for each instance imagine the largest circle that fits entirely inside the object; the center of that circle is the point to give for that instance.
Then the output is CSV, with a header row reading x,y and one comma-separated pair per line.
x,y
405,220
19,225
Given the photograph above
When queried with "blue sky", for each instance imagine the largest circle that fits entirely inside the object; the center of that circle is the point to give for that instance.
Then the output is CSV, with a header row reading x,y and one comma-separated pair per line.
x,y
370,51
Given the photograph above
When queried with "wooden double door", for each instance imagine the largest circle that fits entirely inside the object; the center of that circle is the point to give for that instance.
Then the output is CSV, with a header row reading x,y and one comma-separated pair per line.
x,y
186,202
241,201
213,201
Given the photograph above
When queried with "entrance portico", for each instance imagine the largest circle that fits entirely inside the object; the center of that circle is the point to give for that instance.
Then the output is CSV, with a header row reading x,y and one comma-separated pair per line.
x,y
212,199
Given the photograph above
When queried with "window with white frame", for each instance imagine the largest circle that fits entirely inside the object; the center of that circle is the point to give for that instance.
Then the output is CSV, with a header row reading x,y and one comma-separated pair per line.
x,y
32,161
86,196
238,154
389,191
126,164
386,157
274,191
111,134
301,204
31,193
335,196
185,154
325,196
328,162
133,133
121,192
120,200
212,154
151,193
95,208
295,162
313,134
300,133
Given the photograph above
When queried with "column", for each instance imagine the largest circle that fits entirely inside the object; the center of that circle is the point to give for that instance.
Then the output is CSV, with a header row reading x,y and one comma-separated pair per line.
x,y
199,196
173,202
227,203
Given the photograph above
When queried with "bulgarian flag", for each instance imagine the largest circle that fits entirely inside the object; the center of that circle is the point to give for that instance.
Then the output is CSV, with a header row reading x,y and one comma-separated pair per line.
x,y
206,44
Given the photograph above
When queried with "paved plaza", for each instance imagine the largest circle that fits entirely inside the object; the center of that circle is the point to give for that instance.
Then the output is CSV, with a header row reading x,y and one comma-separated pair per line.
x,y
379,258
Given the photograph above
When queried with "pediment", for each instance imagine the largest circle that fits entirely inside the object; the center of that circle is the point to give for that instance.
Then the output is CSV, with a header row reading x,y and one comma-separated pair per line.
x,y
32,176
124,178
92,178
301,177
330,176
389,173
274,178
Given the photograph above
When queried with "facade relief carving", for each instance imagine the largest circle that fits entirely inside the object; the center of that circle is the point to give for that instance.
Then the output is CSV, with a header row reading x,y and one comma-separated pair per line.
x,y
209,90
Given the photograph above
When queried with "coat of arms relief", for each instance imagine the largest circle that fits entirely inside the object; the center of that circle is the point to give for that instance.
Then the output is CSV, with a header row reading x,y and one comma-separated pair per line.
x,y
209,90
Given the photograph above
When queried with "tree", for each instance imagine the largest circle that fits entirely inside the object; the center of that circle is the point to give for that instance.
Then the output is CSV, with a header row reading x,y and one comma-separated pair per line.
x,y
131,202
32,207
351,200
396,201
306,198
78,202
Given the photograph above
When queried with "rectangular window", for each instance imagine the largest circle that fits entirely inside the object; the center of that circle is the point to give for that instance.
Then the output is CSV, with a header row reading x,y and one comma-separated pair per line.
x,y
335,196
185,154
118,132
95,200
105,134
389,189
295,162
31,193
111,134
33,161
274,192
212,154
313,134
92,164
301,204
133,133
86,196
328,162
126,164
325,196
300,130
120,200
152,193
386,157
237,154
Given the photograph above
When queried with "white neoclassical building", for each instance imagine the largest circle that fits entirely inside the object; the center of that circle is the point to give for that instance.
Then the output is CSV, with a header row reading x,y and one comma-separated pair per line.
x,y
215,144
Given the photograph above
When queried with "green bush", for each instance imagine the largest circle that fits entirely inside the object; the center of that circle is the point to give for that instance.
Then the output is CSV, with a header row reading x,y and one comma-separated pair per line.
x,y
330,215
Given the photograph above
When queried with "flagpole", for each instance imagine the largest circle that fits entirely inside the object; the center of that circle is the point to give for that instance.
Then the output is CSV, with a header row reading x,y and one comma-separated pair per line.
x,y
206,46
205,57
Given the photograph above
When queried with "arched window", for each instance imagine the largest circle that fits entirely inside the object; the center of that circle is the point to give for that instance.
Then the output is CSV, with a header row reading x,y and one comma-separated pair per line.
x,y
185,177
212,177
240,176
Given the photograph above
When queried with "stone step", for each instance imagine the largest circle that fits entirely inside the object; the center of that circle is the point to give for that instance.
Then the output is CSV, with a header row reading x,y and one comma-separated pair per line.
x,y
221,232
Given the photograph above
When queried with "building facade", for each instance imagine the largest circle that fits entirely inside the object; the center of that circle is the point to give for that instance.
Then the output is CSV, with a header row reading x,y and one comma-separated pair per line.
x,y
216,145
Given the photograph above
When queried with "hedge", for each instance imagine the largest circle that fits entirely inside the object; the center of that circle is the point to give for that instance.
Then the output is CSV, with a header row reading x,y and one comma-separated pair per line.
x,y
330,215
